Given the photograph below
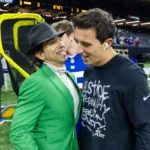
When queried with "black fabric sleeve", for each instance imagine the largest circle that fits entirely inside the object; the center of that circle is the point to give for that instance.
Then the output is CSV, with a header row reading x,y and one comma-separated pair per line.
x,y
137,106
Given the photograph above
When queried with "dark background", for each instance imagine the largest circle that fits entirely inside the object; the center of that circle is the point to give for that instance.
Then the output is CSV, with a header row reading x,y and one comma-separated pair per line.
x,y
121,7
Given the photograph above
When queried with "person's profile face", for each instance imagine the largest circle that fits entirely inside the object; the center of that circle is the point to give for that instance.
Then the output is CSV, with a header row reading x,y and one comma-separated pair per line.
x,y
89,46
53,52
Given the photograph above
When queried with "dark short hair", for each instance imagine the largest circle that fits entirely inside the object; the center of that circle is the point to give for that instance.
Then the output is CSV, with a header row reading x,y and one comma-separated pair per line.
x,y
38,48
99,20
64,25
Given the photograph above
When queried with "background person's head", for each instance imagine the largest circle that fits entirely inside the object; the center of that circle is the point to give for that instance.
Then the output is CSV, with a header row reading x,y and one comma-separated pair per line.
x,y
46,45
95,32
68,37
7,52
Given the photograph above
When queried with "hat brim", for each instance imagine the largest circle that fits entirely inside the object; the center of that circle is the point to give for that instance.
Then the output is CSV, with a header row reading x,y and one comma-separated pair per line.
x,y
31,50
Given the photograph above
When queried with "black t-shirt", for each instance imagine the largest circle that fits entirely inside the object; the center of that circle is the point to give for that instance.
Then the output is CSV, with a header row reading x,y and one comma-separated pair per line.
x,y
116,107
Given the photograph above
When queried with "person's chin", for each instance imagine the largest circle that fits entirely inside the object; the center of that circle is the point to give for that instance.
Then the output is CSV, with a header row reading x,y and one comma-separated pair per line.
x,y
87,62
63,59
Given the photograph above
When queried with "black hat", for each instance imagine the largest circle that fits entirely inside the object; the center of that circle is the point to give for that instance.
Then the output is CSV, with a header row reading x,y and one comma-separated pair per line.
x,y
39,34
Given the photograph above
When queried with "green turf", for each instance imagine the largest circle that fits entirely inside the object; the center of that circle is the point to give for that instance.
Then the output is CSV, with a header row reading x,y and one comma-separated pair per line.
x,y
7,98
4,137
146,65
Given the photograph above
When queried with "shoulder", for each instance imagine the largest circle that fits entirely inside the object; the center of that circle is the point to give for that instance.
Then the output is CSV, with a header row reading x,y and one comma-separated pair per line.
x,y
133,73
35,79
133,69
128,67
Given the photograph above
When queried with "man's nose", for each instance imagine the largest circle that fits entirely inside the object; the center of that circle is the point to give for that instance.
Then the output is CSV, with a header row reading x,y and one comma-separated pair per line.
x,y
62,44
79,49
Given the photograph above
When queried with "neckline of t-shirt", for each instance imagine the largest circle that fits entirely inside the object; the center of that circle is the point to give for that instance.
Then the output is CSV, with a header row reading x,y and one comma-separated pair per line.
x,y
111,63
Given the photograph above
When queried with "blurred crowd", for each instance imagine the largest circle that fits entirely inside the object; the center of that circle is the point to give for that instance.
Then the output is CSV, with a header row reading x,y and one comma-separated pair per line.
x,y
122,37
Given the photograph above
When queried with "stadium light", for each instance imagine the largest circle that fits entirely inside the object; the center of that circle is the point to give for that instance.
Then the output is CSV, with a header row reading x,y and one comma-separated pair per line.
x,y
20,2
27,3
135,25
120,20
133,22
83,10
6,4
120,23
147,23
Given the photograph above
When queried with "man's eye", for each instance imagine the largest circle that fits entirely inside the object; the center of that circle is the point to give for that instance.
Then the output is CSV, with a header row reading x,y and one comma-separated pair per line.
x,y
52,41
86,44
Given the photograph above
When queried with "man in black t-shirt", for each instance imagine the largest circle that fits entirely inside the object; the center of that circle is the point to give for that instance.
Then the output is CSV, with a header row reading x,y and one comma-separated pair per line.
x,y
116,96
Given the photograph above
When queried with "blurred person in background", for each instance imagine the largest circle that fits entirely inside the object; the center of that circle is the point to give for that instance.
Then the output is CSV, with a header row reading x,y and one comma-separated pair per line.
x,y
121,40
116,96
5,71
130,40
136,41
49,100
1,84
74,63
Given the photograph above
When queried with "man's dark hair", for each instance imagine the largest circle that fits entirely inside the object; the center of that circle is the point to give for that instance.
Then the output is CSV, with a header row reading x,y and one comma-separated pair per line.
x,y
36,60
97,19
64,25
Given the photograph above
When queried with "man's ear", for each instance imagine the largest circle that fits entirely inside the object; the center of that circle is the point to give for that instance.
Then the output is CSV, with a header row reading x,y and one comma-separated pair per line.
x,y
40,55
72,35
110,42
